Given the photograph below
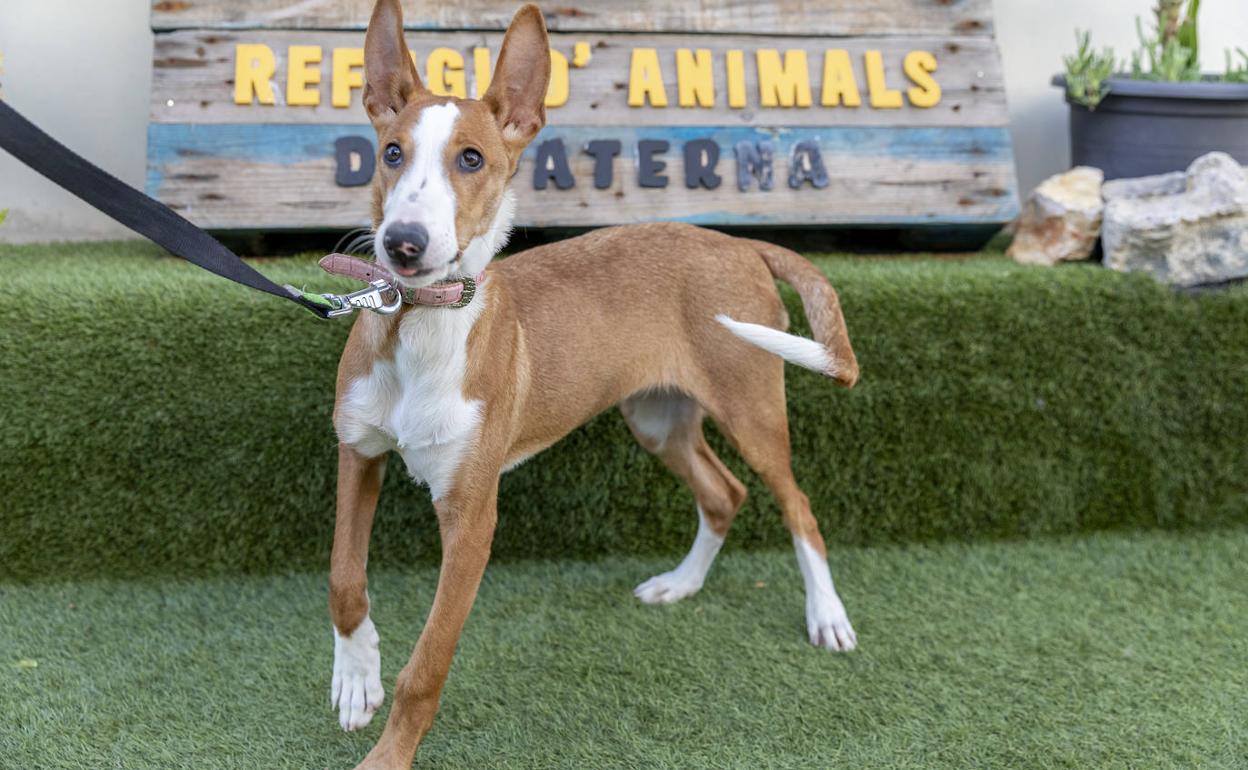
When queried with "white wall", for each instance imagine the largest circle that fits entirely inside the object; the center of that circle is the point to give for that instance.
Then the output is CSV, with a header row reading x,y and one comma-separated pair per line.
x,y
81,69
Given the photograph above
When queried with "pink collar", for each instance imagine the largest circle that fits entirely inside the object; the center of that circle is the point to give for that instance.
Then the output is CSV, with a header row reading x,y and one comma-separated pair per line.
x,y
457,293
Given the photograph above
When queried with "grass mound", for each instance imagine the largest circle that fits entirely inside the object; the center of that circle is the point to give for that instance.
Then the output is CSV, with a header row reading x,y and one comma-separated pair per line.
x,y
156,418
1105,651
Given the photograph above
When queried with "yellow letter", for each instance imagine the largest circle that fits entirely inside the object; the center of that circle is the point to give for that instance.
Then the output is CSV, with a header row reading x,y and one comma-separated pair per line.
x,y
302,79
839,85
445,70
734,62
557,89
254,66
347,74
783,86
481,71
645,79
581,54
882,97
695,79
918,66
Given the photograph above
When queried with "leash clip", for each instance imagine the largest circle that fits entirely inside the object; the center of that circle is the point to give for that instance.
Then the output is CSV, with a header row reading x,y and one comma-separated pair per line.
x,y
371,298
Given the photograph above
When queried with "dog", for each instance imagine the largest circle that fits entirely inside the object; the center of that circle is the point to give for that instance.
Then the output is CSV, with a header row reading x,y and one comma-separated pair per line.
x,y
487,364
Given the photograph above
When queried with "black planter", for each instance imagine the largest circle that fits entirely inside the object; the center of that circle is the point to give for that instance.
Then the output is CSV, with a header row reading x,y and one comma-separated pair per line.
x,y
1147,127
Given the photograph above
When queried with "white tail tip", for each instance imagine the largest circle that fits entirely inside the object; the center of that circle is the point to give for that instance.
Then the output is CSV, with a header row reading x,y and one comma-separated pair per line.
x,y
796,350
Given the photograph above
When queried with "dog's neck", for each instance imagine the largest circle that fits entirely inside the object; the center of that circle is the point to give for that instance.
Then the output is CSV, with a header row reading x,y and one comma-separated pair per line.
x,y
484,247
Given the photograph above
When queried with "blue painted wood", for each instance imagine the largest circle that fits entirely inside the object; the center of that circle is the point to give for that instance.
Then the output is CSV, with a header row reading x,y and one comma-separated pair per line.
x,y
977,151
291,143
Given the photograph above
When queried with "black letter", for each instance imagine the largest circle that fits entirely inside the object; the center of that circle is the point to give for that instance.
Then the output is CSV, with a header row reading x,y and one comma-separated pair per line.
x,y
807,164
698,171
348,152
603,152
552,163
754,161
648,167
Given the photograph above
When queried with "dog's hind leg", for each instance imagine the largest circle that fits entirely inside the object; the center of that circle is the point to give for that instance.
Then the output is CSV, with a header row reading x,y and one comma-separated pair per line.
x,y
356,690
754,419
669,425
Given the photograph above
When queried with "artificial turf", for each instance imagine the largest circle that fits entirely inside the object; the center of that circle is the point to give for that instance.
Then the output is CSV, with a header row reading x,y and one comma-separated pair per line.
x,y
156,417
1112,650
162,430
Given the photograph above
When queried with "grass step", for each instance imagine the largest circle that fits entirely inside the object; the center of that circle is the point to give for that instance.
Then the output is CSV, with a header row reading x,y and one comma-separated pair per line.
x,y
157,418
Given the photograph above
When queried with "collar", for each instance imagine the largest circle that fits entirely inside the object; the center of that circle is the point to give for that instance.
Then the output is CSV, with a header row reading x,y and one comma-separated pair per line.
x,y
456,293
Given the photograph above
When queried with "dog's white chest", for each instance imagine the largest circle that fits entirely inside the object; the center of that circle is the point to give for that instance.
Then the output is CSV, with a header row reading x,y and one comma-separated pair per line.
x,y
414,403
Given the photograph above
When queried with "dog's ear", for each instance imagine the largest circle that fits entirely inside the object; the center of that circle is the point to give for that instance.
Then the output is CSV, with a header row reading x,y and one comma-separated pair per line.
x,y
390,79
517,93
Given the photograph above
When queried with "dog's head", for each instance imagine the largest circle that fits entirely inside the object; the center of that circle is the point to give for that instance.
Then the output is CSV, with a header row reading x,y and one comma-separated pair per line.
x,y
441,206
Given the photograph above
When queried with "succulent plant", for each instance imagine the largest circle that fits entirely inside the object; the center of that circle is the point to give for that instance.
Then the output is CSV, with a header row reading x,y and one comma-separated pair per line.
x,y
1087,71
1172,48
1236,73
1170,51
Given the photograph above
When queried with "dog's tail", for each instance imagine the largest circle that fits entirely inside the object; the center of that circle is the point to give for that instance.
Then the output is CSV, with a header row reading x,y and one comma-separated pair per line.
x,y
829,353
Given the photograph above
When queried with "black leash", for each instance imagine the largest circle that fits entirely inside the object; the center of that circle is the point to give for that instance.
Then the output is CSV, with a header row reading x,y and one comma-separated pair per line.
x,y
144,215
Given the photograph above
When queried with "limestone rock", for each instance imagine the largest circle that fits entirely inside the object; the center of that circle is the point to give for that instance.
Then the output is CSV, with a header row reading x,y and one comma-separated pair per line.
x,y
1193,235
1061,219
1139,187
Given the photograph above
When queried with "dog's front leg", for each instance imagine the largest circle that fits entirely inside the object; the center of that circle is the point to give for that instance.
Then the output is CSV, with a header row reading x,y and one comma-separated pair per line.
x,y
356,690
466,518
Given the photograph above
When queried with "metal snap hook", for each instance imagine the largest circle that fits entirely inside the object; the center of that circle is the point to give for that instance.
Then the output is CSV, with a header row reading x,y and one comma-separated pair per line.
x,y
373,298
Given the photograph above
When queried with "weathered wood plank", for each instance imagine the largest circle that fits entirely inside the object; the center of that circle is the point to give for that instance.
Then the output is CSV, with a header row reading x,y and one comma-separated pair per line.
x,y
193,79
269,177
763,17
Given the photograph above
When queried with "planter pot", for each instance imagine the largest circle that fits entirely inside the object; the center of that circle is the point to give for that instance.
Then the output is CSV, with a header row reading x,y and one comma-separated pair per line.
x,y
1147,127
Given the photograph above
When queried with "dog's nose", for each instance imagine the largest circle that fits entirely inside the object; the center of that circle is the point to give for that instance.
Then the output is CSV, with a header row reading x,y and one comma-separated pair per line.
x,y
405,242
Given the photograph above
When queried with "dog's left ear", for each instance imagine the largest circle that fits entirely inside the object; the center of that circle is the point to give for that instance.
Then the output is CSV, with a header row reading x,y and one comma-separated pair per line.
x,y
517,93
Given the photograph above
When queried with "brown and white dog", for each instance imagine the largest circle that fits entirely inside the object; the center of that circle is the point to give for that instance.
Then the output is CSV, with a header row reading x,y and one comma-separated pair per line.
x,y
670,322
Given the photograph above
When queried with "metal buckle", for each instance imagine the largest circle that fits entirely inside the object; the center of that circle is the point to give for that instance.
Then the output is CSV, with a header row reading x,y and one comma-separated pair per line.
x,y
372,298
470,291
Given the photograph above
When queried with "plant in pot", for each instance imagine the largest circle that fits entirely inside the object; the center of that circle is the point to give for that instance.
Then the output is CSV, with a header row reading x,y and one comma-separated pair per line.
x,y
1159,112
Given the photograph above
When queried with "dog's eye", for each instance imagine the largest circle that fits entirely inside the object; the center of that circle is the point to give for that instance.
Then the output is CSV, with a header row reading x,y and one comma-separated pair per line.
x,y
470,160
393,155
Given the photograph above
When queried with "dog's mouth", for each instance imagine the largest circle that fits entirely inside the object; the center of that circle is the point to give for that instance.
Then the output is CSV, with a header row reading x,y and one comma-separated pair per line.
x,y
415,272
416,277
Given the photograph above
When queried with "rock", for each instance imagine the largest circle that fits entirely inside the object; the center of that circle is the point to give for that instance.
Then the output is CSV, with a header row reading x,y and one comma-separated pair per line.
x,y
1140,187
1061,219
1193,235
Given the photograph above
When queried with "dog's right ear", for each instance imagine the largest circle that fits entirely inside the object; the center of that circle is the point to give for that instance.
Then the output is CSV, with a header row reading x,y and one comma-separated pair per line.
x,y
390,79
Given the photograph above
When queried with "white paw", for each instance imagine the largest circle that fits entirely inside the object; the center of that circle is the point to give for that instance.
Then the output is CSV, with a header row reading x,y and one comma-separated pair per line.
x,y
828,625
667,588
356,691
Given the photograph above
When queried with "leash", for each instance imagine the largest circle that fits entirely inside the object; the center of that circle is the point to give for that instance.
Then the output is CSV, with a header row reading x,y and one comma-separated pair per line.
x,y
164,226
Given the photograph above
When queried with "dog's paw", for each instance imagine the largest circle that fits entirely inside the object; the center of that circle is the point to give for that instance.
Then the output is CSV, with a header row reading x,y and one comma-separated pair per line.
x,y
356,690
828,625
667,588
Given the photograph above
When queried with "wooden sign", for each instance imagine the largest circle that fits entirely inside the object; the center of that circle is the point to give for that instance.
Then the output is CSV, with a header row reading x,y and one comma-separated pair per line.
x,y
816,112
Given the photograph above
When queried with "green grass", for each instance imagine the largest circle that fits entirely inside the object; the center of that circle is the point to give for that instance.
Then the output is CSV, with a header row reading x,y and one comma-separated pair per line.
x,y
161,428
1097,651
157,418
